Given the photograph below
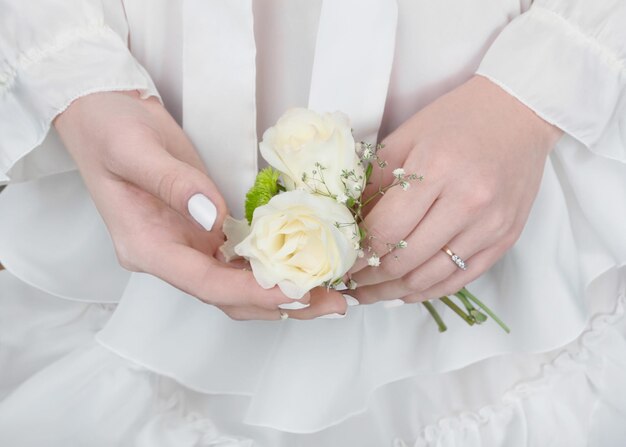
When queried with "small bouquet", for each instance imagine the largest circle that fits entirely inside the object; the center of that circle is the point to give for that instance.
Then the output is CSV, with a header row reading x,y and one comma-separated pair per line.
x,y
304,214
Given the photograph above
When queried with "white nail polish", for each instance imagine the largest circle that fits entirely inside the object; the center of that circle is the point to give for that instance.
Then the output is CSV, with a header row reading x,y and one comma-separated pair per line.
x,y
202,210
294,306
393,303
350,300
333,316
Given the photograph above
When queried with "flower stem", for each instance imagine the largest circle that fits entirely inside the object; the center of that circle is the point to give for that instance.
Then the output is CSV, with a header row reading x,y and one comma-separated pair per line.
x,y
488,311
475,314
448,302
433,313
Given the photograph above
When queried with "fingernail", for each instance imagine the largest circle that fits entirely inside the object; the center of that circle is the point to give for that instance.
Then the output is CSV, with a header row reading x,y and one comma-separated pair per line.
x,y
202,210
393,303
294,305
350,300
333,316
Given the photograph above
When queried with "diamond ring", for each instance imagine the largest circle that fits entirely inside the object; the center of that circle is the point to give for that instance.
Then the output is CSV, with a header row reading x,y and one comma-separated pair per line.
x,y
460,263
283,315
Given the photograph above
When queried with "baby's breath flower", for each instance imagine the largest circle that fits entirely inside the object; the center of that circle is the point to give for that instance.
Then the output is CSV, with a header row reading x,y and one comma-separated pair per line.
x,y
341,198
402,244
357,246
405,185
398,173
368,153
373,261
352,284
360,253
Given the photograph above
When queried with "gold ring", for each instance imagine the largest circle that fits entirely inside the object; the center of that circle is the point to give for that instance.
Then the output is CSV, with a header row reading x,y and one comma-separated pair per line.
x,y
460,263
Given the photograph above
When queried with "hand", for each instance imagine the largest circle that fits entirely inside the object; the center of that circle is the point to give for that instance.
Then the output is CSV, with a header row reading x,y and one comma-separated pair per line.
x,y
482,154
141,170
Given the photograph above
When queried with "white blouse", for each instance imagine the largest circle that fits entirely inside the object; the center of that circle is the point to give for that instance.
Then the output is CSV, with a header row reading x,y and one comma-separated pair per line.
x,y
226,69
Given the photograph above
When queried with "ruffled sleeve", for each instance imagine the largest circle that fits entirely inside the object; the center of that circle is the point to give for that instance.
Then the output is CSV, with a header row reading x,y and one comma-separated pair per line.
x,y
52,53
566,60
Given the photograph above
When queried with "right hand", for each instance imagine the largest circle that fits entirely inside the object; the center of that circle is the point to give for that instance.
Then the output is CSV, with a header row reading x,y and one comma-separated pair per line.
x,y
141,170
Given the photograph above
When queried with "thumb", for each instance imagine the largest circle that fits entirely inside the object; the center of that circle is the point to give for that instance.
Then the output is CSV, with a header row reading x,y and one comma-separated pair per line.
x,y
183,188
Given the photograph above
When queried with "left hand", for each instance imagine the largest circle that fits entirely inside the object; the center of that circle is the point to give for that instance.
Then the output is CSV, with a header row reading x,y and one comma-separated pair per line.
x,y
482,154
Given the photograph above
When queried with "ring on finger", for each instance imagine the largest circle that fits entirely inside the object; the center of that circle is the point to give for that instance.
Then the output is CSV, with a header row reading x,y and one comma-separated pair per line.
x,y
283,315
460,263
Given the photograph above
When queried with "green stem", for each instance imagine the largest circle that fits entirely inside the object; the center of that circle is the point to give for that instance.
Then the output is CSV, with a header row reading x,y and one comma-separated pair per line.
x,y
380,191
488,311
433,313
463,299
475,314
448,302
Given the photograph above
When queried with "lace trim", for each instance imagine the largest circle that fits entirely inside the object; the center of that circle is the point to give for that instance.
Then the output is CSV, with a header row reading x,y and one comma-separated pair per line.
x,y
172,412
563,363
35,55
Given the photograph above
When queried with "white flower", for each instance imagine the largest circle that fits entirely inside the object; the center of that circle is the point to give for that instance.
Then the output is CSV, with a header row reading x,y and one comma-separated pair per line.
x,y
360,253
235,231
303,138
398,173
295,244
373,261
341,198
402,244
367,154
405,185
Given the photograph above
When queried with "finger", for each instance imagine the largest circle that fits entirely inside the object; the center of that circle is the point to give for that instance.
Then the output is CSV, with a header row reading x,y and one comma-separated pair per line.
x,y
434,231
208,280
181,186
323,303
434,270
480,263
246,313
393,218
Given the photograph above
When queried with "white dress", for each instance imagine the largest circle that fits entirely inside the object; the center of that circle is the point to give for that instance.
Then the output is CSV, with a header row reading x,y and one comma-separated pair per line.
x,y
92,355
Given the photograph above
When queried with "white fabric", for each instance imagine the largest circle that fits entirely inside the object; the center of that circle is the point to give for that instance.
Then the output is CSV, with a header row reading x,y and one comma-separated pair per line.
x,y
378,374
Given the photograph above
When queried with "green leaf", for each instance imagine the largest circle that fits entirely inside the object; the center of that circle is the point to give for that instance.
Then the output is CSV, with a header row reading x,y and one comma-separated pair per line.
x,y
368,172
362,234
265,187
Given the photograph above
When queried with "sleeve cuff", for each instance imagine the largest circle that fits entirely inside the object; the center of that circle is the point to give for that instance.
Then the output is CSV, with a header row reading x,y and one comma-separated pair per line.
x,y
566,76
43,83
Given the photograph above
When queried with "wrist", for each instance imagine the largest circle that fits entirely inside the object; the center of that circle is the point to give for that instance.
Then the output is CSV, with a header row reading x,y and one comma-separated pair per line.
x,y
539,133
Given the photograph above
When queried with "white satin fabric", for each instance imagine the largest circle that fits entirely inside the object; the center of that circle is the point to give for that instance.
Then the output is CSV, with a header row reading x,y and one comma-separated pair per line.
x,y
178,372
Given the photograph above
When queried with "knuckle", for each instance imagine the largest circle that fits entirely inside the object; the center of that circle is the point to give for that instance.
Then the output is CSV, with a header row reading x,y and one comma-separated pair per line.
x,y
335,306
233,313
391,267
414,281
499,223
510,238
125,256
167,184
478,197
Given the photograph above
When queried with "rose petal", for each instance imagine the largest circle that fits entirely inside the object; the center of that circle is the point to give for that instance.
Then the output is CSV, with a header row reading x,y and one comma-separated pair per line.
x,y
235,231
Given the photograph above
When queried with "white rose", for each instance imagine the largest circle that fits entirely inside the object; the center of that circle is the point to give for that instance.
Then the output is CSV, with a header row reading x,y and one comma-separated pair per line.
x,y
301,138
294,242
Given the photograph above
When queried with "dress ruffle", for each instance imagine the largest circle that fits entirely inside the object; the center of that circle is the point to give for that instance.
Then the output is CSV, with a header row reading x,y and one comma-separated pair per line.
x,y
87,394
582,388
342,362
